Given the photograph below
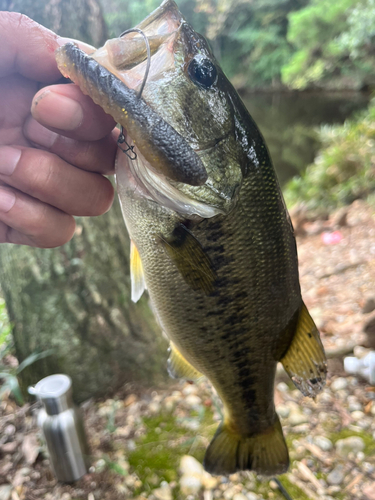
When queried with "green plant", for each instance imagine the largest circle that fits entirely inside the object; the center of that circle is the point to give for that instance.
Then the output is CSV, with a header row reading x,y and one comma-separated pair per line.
x,y
10,375
344,168
5,329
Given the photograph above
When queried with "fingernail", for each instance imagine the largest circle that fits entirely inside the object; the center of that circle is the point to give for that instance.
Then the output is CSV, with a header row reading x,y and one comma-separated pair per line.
x,y
8,159
57,111
7,200
35,132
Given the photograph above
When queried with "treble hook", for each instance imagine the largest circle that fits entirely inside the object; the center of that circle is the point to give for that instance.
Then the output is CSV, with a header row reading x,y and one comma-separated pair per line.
x,y
121,137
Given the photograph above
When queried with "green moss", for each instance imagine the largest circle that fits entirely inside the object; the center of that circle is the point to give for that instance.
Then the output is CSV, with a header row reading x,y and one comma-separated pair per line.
x,y
293,490
158,452
367,438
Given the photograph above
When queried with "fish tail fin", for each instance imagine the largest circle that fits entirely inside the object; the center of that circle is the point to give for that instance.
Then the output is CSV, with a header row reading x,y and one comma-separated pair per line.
x,y
265,453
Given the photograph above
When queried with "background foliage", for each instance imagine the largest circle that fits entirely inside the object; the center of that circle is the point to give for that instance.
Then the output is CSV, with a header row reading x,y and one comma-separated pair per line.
x,y
269,43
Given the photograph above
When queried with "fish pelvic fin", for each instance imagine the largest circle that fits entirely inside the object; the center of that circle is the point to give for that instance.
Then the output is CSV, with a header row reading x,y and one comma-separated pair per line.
x,y
190,259
305,361
178,367
136,273
265,453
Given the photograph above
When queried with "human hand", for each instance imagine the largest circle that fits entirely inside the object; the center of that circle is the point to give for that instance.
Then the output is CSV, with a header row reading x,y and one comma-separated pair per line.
x,y
51,161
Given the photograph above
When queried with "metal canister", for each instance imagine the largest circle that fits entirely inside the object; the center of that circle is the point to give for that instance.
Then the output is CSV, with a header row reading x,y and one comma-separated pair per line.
x,y
62,426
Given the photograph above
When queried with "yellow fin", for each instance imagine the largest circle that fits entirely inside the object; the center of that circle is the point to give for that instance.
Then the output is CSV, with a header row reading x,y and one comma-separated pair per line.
x,y
190,259
178,367
264,453
136,273
305,361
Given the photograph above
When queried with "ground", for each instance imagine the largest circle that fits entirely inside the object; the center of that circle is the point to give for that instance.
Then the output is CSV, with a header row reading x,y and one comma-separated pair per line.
x,y
149,444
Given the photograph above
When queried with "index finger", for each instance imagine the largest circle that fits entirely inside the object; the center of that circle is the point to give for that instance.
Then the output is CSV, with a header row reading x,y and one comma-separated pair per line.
x,y
28,48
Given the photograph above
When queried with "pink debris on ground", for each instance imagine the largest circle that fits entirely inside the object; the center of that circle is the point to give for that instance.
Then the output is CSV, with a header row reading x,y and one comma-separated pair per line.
x,y
332,238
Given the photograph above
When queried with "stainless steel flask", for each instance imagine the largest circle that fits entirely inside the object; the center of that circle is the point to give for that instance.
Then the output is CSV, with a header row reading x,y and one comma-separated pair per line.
x,y
62,426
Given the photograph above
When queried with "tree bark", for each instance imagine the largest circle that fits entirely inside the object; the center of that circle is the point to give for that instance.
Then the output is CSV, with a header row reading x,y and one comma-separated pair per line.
x,y
80,19
76,301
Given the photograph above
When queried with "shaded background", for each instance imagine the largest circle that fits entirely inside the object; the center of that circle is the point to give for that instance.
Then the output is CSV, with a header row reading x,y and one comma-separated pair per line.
x,y
297,63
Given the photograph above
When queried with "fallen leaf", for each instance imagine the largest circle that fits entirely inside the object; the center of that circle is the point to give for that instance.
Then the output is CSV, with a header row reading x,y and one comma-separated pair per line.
x,y
30,448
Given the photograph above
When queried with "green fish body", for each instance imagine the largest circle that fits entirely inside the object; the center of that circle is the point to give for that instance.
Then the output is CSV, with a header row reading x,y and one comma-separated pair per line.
x,y
218,259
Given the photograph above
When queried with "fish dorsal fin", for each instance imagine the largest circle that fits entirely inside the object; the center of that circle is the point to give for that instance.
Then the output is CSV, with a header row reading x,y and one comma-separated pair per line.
x,y
305,361
178,367
190,259
136,273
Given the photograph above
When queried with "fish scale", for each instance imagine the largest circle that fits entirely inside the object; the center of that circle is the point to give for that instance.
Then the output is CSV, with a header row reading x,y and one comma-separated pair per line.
x,y
218,258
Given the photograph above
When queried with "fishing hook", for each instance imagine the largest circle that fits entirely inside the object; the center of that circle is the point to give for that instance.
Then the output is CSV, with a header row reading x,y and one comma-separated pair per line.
x,y
121,138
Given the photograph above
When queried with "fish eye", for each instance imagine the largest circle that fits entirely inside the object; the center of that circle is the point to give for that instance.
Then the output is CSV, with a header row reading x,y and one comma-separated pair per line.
x,y
202,72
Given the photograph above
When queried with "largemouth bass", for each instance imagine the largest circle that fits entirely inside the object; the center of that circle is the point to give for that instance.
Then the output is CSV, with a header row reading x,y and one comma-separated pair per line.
x,y
211,238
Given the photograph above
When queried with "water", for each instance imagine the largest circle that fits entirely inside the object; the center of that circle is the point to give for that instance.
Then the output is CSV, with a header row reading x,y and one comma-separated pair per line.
x,y
289,123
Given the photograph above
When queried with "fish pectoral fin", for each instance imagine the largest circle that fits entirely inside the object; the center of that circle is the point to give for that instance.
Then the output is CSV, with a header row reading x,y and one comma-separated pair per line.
x,y
136,273
265,453
190,259
305,361
178,367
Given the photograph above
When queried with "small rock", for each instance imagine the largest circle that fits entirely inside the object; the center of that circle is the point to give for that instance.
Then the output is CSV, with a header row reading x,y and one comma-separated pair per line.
x,y
361,456
283,411
357,415
154,408
130,444
193,401
336,476
129,400
239,496
66,496
353,444
190,485
369,305
189,389
190,466
192,424
9,430
5,491
163,493
252,496
355,407
323,443
334,489
282,387
230,492
297,418
273,484
209,482
339,384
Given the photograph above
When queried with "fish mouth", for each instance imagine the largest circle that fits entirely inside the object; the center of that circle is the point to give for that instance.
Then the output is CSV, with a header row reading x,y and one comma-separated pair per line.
x,y
173,166
126,56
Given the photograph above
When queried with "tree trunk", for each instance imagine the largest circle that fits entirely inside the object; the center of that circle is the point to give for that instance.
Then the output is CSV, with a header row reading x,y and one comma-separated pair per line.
x,y
80,19
76,300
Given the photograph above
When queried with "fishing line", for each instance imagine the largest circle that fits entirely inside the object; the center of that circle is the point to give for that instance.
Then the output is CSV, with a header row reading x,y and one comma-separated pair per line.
x,y
121,137
282,489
